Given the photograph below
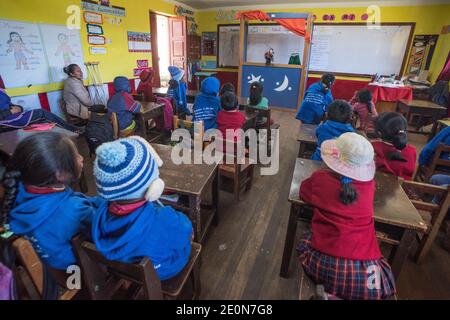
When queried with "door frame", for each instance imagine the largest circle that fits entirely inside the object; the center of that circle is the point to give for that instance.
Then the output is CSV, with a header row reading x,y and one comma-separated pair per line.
x,y
154,40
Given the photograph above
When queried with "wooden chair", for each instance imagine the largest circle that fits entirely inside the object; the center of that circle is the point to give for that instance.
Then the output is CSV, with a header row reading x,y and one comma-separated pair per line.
x,y
195,128
236,177
267,126
31,272
70,118
425,173
106,280
433,214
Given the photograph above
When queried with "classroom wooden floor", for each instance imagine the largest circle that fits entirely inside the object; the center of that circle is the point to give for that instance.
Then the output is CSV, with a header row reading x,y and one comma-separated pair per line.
x,y
242,255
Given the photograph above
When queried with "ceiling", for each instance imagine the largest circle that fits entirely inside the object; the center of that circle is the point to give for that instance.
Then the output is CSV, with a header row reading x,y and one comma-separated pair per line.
x,y
209,4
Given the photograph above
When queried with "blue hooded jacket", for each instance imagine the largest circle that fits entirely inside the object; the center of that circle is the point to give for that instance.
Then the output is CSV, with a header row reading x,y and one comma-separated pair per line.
x,y
159,233
207,103
50,221
426,156
315,104
122,103
329,130
179,94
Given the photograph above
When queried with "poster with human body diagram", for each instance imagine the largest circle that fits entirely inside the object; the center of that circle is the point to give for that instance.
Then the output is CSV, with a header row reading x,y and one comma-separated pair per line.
x,y
63,47
22,55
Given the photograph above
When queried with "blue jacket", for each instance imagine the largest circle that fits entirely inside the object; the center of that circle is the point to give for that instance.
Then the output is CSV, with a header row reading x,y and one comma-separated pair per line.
x,y
159,233
315,104
50,221
426,156
329,130
207,103
123,104
179,94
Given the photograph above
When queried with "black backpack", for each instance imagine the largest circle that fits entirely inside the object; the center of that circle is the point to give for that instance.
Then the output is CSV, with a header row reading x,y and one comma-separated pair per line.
x,y
98,130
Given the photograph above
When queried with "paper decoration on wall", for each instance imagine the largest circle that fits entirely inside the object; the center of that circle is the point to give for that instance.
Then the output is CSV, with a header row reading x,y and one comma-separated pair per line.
x,y
226,15
142,63
139,42
421,53
32,54
96,40
92,17
22,56
97,50
352,17
364,17
332,17
112,10
94,29
326,17
137,71
192,25
63,47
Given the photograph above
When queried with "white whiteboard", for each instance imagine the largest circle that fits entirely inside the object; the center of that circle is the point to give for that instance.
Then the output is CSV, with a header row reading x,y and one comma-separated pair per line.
x,y
228,46
284,43
33,54
359,50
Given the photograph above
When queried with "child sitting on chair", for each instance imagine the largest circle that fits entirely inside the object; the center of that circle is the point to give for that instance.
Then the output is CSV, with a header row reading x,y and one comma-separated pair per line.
x,y
177,90
258,101
132,224
229,119
365,108
427,154
393,154
123,104
317,98
207,103
342,252
40,205
338,122
145,86
13,117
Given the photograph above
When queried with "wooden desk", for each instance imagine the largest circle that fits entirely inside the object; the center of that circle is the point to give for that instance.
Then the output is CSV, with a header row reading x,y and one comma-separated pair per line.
x,y
10,140
393,212
250,120
150,110
437,127
192,181
307,138
423,108
162,92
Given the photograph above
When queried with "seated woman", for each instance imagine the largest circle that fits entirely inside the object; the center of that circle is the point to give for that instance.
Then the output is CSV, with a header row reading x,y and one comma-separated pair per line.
x,y
13,117
75,95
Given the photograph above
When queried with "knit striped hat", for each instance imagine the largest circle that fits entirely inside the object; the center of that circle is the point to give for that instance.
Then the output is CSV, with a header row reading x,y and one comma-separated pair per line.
x,y
126,169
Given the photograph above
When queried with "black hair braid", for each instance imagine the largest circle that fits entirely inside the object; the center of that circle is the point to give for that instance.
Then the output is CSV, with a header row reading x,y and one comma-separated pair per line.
x,y
348,194
11,181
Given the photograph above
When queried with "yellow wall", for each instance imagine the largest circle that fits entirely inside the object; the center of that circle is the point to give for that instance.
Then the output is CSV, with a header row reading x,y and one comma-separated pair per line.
x,y
118,61
428,19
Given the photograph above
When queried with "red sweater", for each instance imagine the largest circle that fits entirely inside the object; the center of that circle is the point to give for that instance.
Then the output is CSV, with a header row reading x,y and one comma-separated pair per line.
x,y
339,230
229,120
395,167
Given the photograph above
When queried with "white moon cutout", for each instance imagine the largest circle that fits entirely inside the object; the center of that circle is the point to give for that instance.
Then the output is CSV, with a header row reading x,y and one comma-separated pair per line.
x,y
284,85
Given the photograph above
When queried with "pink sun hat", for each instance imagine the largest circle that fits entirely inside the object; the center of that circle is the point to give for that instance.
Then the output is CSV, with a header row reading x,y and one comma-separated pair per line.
x,y
350,155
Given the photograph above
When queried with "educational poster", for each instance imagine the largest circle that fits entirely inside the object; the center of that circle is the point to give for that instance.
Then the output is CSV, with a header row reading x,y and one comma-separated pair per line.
x,y
139,42
54,100
63,47
281,85
28,102
421,53
22,57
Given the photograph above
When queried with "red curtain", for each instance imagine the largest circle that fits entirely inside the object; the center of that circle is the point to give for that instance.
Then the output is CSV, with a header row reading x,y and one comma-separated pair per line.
x,y
253,15
297,26
445,73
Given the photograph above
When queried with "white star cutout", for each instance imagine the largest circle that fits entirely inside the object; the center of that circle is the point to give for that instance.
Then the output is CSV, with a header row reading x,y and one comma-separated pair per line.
x,y
254,79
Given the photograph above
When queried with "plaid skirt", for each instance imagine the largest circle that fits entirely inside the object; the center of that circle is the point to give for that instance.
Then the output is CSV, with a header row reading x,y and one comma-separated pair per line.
x,y
346,278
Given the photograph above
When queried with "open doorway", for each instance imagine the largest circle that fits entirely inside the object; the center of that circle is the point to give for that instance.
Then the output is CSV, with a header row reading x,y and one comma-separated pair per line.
x,y
168,46
162,28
